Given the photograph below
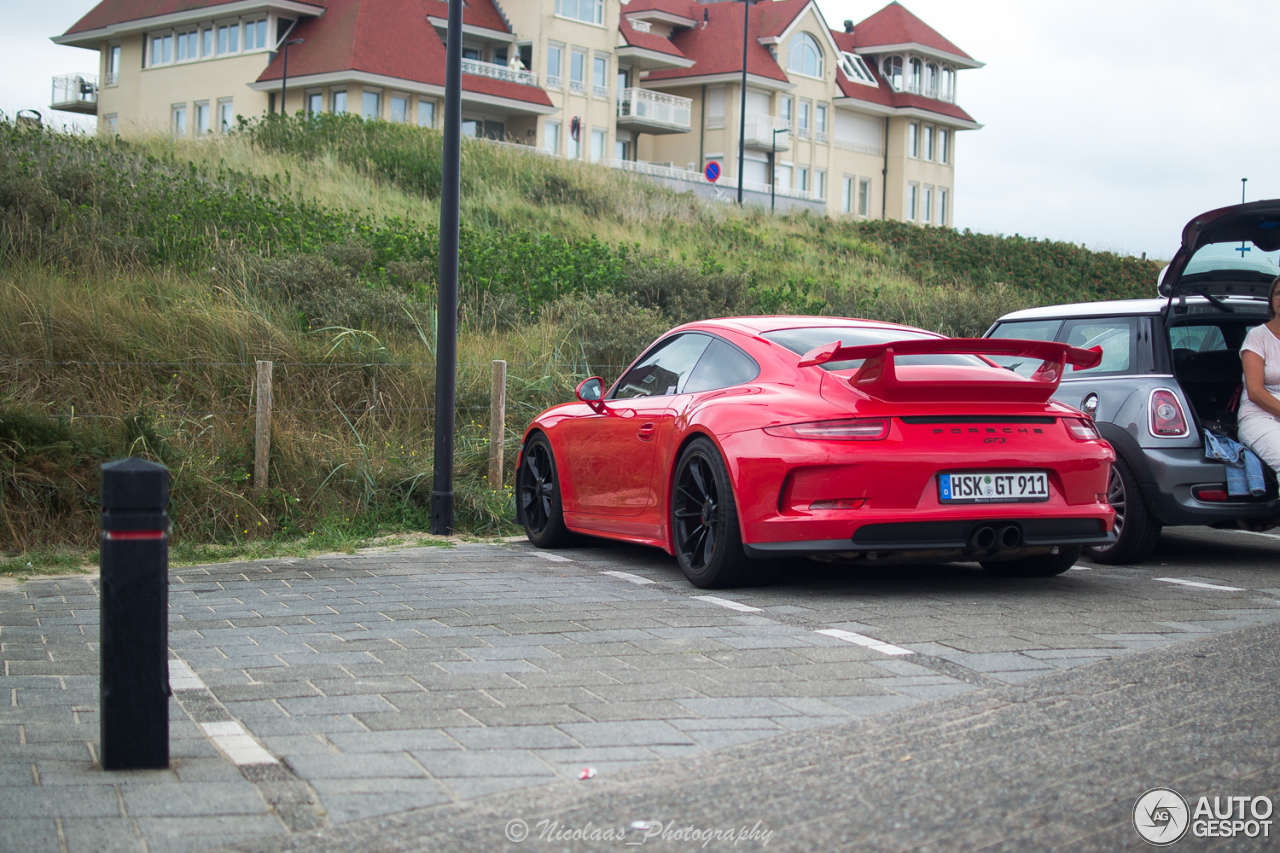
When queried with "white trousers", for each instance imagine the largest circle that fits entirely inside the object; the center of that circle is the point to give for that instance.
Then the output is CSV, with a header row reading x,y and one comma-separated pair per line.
x,y
1260,432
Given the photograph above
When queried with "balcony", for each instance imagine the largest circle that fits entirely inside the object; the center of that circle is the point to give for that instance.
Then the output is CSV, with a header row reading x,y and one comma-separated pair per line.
x,y
644,111
499,72
760,133
76,93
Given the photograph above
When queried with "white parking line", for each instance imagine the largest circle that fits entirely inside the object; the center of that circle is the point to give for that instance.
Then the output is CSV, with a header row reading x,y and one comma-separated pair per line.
x,y
627,576
1199,585
181,676
555,558
1256,533
237,744
869,642
732,605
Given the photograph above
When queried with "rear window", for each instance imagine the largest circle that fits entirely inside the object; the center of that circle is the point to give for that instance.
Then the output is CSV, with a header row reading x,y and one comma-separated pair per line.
x,y
801,341
1115,336
1024,330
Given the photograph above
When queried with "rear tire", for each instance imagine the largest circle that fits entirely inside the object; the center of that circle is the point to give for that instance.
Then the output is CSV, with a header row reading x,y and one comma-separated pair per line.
x,y
1039,566
538,493
704,519
1137,530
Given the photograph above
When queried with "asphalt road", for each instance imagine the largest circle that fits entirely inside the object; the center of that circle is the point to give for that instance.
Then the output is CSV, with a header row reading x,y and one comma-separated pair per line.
x,y
435,699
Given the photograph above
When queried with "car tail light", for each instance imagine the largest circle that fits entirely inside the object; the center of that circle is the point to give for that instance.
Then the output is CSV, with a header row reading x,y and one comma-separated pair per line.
x,y
841,503
1081,430
1210,495
1167,418
848,429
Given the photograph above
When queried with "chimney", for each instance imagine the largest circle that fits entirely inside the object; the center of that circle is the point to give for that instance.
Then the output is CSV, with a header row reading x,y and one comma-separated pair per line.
x,y
848,26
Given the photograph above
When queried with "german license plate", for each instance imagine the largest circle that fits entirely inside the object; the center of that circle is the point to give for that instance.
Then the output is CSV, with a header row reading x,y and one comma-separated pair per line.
x,y
1002,487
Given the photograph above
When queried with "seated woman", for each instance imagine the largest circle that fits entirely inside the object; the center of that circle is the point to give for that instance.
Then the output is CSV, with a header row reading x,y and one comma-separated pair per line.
x,y
1259,416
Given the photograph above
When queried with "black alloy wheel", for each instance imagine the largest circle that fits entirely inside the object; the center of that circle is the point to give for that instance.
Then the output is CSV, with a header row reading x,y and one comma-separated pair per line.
x,y
1136,530
538,491
704,519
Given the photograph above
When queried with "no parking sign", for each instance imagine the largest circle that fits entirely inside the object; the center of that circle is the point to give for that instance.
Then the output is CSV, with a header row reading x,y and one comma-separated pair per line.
x,y
713,171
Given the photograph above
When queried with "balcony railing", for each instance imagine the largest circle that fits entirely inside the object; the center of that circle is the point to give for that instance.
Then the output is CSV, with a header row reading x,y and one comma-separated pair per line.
x,y
499,72
75,93
600,91
577,87
760,132
920,89
655,107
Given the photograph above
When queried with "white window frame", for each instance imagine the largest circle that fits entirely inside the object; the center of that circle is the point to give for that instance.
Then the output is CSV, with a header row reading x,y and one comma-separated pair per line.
x,y
202,118
944,197
578,86
572,10
112,75
551,137
401,98
787,112
335,96
313,102
226,114
928,142
178,120
804,117
821,120
555,71
601,135
820,184
805,46
944,145
598,88
864,196
846,193
364,103
427,111
913,139
913,201
926,204
855,69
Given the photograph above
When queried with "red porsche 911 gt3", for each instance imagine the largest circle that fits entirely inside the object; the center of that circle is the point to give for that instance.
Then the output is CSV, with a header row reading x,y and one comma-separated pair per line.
x,y
734,440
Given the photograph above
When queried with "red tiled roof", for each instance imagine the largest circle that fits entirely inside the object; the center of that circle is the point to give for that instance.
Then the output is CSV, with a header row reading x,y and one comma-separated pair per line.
x,y
648,41
683,8
895,25
777,15
717,47
477,13
110,12
391,38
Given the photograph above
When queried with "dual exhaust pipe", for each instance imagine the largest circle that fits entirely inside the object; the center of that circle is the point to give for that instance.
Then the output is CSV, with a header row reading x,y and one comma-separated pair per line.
x,y
991,538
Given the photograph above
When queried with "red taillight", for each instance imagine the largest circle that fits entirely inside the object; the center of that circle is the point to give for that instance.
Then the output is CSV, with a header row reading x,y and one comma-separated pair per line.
x,y
841,503
1081,430
1167,419
849,429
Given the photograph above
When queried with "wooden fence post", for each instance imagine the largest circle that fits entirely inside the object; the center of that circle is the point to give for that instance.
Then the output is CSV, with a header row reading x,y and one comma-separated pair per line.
x,y
497,422
262,430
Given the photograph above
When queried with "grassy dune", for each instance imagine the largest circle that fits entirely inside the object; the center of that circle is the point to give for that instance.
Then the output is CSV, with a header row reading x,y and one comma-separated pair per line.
x,y
142,280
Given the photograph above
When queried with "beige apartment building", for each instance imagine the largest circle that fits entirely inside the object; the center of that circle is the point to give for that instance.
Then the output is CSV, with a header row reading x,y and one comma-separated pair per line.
x,y
859,121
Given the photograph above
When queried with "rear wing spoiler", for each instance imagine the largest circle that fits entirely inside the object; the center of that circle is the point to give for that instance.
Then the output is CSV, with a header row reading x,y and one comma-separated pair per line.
x,y
878,375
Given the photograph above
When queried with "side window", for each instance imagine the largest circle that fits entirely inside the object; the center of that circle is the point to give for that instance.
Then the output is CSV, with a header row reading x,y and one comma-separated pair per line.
x,y
1114,335
1197,339
664,370
1028,330
721,366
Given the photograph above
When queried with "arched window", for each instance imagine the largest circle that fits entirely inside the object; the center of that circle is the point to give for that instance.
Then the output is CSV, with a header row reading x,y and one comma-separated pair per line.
x,y
931,80
917,75
892,70
948,84
804,56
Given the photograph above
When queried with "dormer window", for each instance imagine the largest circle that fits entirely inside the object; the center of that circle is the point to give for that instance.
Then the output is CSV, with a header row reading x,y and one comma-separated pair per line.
x,y
804,56
855,69
891,68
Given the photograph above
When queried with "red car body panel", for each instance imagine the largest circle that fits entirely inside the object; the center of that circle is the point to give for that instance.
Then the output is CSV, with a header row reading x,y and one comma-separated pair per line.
x,y
616,460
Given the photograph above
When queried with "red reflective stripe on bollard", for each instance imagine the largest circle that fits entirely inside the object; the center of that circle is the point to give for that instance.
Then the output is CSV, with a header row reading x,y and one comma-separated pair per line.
x,y
134,534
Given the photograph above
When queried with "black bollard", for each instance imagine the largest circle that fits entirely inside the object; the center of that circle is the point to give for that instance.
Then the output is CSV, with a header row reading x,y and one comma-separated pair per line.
x,y
135,615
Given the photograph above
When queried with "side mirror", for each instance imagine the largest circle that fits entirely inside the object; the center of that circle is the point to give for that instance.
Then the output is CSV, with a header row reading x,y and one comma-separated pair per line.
x,y
591,392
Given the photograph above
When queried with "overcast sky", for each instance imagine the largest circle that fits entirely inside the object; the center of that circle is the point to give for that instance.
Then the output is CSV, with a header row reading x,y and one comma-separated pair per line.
x,y
1106,122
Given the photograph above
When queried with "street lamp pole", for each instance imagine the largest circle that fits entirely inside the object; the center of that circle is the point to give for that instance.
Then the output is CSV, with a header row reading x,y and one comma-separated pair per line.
x,y
284,74
742,106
